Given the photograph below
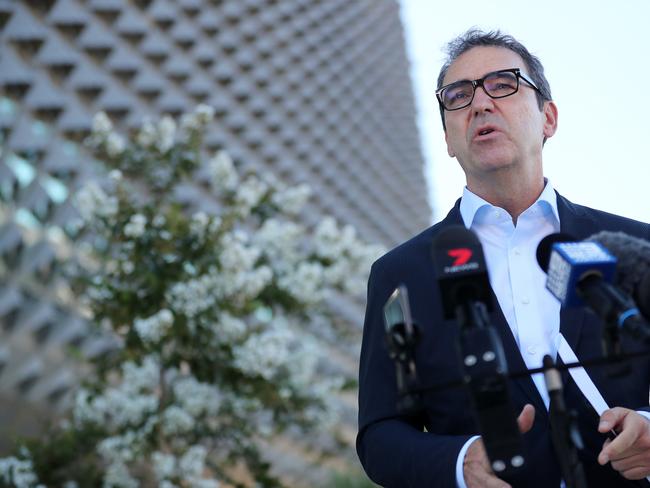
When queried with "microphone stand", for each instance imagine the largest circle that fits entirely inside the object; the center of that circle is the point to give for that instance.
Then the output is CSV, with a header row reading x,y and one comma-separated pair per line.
x,y
564,431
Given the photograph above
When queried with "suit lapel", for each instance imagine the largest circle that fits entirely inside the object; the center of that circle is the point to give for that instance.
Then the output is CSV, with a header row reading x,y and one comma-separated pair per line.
x,y
573,222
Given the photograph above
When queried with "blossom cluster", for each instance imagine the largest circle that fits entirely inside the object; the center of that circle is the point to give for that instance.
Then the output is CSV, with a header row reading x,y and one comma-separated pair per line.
x,y
19,472
211,302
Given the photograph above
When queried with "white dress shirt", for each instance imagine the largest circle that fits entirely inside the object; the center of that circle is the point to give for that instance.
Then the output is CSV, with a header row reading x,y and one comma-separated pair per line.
x,y
519,284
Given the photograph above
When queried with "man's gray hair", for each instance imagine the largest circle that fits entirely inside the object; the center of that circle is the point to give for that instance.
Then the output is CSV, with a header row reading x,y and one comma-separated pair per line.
x,y
478,38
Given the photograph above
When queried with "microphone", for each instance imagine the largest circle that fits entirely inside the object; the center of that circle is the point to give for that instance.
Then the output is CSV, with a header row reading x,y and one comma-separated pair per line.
x,y
402,335
581,273
466,296
564,430
633,270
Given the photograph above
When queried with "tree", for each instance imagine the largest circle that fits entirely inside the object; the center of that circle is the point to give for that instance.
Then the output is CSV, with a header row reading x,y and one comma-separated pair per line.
x,y
213,288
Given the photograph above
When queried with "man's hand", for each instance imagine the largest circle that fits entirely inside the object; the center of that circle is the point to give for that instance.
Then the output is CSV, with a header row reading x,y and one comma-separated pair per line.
x,y
476,466
629,452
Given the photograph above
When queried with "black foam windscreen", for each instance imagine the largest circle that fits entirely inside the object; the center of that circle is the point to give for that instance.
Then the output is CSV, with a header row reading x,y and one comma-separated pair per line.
x,y
545,247
633,267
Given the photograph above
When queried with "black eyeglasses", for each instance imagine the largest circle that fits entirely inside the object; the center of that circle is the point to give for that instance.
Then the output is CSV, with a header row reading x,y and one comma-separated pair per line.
x,y
498,84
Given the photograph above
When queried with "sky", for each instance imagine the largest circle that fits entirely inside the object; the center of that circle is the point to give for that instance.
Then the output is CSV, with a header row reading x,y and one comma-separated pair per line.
x,y
593,51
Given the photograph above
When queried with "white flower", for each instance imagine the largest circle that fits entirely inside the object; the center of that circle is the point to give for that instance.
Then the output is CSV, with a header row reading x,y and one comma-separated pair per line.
x,y
119,448
194,296
18,472
305,283
128,267
118,476
84,410
195,482
204,112
115,145
240,286
127,404
115,175
202,115
197,398
264,354
92,201
163,465
332,242
305,358
228,328
250,193
222,171
144,377
154,328
281,243
201,224
147,134
166,133
237,255
293,199
175,420
102,125
136,226
193,461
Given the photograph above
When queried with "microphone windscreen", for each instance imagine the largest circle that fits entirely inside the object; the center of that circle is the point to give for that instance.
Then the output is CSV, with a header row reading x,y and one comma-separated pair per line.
x,y
545,247
633,269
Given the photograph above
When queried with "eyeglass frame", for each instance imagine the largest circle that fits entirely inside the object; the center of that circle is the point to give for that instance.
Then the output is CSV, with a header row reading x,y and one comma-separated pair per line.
x,y
479,82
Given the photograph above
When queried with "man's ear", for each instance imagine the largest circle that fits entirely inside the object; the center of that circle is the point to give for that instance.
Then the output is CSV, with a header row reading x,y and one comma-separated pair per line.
x,y
449,149
550,119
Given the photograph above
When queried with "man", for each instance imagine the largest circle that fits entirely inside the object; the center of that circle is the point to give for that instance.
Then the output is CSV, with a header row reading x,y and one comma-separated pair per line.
x,y
497,113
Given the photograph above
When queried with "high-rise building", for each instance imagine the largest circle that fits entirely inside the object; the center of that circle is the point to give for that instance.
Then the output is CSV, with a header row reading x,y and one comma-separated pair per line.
x,y
314,91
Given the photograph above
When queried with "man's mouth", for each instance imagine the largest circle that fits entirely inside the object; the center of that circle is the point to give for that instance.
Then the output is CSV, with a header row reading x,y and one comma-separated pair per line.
x,y
484,131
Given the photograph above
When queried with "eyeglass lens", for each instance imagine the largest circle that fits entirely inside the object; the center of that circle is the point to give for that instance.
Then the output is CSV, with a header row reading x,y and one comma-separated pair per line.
x,y
496,85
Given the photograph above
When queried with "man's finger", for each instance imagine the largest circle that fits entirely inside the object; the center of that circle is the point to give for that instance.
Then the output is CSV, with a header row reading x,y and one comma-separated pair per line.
x,y
611,418
638,460
618,446
635,473
526,418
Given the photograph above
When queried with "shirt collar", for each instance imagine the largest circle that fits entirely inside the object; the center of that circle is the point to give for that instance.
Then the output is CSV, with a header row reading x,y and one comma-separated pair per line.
x,y
471,204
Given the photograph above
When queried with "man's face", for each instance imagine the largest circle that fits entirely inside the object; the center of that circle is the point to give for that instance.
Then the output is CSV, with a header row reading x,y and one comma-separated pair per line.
x,y
494,135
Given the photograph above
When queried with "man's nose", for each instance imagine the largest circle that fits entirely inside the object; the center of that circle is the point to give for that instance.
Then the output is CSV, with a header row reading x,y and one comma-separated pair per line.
x,y
482,101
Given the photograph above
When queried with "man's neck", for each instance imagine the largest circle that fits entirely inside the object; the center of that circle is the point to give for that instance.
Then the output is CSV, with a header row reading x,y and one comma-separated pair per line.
x,y
514,195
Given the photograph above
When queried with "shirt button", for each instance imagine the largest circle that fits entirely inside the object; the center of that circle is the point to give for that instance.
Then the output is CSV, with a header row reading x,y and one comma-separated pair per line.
x,y
517,251
525,300
531,350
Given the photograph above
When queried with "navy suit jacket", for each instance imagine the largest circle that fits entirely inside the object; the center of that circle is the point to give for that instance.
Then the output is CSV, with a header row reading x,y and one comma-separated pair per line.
x,y
421,450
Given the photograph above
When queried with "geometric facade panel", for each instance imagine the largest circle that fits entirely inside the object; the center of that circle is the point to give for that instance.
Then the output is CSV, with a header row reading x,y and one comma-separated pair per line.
x,y
314,91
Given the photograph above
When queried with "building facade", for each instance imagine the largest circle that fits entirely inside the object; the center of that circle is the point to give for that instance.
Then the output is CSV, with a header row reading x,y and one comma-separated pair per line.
x,y
314,91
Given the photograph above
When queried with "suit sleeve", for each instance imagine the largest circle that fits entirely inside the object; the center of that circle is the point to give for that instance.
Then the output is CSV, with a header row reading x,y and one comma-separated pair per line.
x,y
394,449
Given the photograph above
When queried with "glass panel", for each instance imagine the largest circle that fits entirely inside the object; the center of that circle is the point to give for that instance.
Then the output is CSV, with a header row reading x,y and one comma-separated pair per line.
x,y
24,171
55,189
25,218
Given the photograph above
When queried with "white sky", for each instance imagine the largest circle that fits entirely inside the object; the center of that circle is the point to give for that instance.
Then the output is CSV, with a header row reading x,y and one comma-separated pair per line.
x,y
592,51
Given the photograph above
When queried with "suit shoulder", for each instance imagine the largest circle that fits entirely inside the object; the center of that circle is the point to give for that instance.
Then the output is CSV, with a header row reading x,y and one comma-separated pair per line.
x,y
613,222
411,252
